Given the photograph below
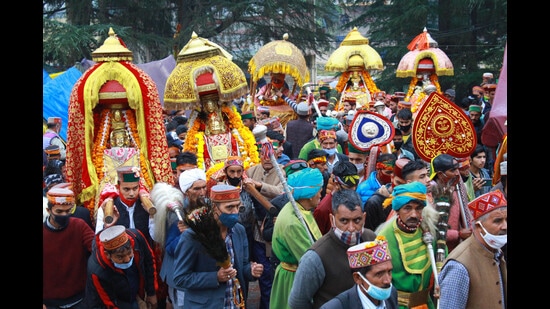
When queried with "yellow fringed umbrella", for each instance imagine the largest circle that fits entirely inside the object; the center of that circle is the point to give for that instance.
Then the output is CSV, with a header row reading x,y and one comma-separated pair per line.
x,y
354,44
280,56
198,56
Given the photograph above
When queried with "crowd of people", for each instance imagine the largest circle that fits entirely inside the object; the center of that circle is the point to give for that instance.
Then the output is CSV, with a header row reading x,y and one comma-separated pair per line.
x,y
316,221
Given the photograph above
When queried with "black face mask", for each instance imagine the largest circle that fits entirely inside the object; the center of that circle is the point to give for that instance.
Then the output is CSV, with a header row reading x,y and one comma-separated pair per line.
x,y
234,181
397,145
405,128
63,221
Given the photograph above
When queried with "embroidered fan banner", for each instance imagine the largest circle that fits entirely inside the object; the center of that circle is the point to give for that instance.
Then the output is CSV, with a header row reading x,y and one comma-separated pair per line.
x,y
442,127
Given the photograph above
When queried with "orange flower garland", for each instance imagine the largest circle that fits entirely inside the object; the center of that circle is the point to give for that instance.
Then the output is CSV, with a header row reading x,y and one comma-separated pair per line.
x,y
101,142
245,140
131,123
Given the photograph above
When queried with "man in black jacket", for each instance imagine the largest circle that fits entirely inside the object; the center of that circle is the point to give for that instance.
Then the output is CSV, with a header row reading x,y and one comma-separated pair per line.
x,y
121,270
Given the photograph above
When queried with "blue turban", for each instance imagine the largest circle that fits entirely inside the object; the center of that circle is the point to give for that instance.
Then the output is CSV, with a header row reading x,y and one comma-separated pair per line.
x,y
305,183
403,194
327,123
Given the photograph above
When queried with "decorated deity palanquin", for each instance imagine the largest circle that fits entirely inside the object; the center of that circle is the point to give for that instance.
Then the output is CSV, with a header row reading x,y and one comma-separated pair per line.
x,y
355,58
115,119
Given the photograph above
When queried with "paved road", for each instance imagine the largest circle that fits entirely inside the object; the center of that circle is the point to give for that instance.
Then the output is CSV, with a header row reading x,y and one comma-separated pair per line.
x,y
253,301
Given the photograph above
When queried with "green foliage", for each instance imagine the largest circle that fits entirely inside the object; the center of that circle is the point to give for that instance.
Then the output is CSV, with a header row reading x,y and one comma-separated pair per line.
x,y
472,33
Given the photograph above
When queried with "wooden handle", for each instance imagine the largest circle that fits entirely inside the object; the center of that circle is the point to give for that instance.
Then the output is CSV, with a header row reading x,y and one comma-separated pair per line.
x,y
250,188
108,211
148,205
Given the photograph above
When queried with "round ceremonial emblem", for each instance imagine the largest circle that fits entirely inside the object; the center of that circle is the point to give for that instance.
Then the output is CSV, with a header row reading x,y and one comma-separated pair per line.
x,y
369,129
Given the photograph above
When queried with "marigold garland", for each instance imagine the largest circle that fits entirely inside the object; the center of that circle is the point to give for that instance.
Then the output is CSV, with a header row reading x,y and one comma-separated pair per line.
x,y
103,126
102,142
246,142
132,125
344,78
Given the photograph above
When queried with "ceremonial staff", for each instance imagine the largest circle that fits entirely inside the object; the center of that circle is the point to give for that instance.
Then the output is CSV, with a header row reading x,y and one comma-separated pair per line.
x,y
261,137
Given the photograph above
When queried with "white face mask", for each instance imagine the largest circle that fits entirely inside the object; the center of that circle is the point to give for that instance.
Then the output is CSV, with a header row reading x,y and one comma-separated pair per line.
x,y
494,241
360,167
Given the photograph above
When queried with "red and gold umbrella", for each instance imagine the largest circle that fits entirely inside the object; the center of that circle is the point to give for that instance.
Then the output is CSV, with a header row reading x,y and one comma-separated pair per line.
x,y
423,46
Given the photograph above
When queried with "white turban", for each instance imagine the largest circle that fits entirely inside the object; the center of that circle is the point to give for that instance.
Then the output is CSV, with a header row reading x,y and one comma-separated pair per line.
x,y
188,177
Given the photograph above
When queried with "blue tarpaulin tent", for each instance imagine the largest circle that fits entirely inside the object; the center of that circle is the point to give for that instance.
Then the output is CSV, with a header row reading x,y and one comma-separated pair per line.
x,y
57,91
55,97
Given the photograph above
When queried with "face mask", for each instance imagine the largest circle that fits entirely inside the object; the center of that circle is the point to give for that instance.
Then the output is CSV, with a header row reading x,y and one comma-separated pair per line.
x,y
384,179
494,241
330,152
124,265
229,220
397,145
405,128
234,181
347,237
63,221
128,202
374,291
360,167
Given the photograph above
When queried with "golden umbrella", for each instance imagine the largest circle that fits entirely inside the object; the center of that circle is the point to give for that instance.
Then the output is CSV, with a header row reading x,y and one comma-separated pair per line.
x,y
280,56
198,56
354,54
354,44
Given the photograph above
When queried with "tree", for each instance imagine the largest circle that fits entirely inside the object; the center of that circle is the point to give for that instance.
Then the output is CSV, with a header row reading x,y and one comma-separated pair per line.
x,y
471,33
148,26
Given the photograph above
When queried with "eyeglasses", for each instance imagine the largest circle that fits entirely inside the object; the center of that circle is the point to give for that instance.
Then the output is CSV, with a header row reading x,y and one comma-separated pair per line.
x,y
297,166
294,167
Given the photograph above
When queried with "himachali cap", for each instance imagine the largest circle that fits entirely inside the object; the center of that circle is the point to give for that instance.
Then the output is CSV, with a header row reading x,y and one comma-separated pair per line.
x,y
490,87
225,193
398,168
113,237
379,95
322,102
128,174
474,108
369,253
399,94
404,104
61,194
52,120
247,115
262,109
486,203
233,160
324,134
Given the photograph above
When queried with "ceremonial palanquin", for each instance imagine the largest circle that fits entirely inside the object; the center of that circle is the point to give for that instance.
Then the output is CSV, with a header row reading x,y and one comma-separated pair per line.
x,y
206,81
424,63
115,119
